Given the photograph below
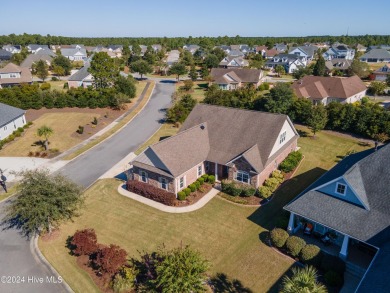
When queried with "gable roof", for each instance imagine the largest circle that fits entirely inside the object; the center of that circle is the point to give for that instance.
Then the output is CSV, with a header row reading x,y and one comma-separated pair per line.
x,y
45,51
238,74
5,55
309,50
25,74
338,63
239,60
9,113
322,87
81,74
36,46
72,51
203,137
30,59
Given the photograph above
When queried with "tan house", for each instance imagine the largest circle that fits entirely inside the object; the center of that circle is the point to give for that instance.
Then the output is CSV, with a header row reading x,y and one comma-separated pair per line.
x,y
234,78
321,89
11,75
241,145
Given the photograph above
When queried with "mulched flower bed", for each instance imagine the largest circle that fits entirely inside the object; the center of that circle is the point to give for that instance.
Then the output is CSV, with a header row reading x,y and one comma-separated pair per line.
x,y
194,196
250,200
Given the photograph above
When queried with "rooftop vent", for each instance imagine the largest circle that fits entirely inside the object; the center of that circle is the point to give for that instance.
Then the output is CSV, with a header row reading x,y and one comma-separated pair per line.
x,y
202,127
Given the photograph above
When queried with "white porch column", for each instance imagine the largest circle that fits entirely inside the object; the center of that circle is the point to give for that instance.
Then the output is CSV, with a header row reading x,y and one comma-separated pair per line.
x,y
344,248
216,171
290,228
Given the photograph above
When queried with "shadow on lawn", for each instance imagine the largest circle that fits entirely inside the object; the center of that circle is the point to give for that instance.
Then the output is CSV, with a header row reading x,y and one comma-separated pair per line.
x,y
222,284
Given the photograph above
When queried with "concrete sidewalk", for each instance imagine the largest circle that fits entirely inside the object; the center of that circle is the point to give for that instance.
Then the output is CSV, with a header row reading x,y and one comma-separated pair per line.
x,y
168,209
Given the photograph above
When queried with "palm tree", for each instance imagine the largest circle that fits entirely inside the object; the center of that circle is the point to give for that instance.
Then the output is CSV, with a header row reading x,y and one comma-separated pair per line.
x,y
303,281
45,131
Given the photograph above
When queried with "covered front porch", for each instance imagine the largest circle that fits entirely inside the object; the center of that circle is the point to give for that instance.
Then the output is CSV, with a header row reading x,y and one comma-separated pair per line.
x,y
351,250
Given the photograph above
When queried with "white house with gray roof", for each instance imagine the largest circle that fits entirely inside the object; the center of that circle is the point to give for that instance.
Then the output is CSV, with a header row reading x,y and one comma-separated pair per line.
x,y
74,54
81,78
376,56
340,51
11,118
290,62
307,51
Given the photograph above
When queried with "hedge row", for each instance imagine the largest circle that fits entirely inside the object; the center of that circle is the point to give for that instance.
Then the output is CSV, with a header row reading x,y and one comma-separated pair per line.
x,y
237,189
182,195
17,133
291,162
271,184
151,192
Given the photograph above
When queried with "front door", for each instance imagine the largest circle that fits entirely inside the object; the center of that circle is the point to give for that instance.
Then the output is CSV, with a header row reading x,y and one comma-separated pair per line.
x,y
225,172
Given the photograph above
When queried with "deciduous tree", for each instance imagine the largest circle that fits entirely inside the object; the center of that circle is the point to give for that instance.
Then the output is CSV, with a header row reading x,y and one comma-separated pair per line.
x,y
178,69
42,69
63,62
103,70
317,119
377,87
359,68
111,259
280,70
142,67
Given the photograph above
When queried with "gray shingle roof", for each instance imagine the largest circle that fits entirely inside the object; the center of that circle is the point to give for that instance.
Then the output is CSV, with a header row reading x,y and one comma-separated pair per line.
x,y
9,113
5,55
81,74
35,58
243,74
376,54
368,173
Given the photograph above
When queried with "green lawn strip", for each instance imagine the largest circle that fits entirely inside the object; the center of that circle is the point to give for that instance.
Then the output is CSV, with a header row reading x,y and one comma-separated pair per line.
x,y
11,191
120,124
230,236
166,130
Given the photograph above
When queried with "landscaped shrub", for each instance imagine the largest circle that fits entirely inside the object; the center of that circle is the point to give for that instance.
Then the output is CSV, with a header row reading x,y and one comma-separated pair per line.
x,y
291,162
311,255
20,129
271,183
85,242
248,191
211,179
205,177
226,186
278,176
181,195
95,121
151,192
192,187
294,245
235,190
80,130
124,280
54,78
201,180
333,278
197,184
45,86
110,258
265,192
278,237
332,262
187,191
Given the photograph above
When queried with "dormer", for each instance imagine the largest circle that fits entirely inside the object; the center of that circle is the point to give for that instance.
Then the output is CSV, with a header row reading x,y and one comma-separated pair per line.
x,y
276,59
284,59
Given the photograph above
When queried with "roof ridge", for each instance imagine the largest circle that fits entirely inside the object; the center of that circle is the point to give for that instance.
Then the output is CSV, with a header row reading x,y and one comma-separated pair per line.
x,y
247,110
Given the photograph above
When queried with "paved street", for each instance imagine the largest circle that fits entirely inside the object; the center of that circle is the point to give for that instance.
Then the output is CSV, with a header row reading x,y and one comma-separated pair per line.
x,y
16,258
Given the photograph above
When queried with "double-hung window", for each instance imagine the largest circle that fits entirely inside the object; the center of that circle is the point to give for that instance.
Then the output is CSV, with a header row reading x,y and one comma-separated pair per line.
x,y
181,183
143,176
199,170
242,177
163,183
282,137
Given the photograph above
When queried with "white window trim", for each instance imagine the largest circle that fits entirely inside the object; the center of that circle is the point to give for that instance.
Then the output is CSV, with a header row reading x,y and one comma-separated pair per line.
x,y
184,182
146,176
282,137
201,171
160,179
243,172
345,190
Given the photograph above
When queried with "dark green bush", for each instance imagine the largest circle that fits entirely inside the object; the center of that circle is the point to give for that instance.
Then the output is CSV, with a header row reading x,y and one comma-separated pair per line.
x,y
333,278
200,180
332,262
248,191
29,123
291,162
197,184
311,255
211,179
192,187
20,129
45,86
181,195
235,190
54,78
80,130
226,186
205,177
187,191
294,245
278,237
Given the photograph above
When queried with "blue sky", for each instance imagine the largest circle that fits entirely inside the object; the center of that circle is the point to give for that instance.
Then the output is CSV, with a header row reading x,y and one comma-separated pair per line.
x,y
157,18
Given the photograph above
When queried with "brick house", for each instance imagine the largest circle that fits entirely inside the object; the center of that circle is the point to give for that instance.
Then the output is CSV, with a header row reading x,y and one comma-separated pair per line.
x,y
241,145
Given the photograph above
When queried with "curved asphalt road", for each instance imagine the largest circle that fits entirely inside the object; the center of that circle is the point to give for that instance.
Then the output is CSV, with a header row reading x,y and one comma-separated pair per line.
x,y
16,258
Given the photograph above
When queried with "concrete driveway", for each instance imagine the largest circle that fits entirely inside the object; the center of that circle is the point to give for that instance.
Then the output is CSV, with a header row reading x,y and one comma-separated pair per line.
x,y
16,257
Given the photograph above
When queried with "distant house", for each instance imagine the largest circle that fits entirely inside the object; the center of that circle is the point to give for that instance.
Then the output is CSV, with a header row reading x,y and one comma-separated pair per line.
x,y
350,204
157,48
240,145
173,57
11,118
382,73
12,75
361,48
308,51
33,58
191,48
234,78
376,56
74,54
323,90
5,55
117,49
235,53
45,52
246,49
33,48
386,47
265,53
13,48
338,64
233,62
290,62
339,51
280,47
81,78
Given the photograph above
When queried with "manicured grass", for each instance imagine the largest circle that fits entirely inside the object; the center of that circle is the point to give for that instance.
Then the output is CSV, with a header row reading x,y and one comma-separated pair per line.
x,y
11,191
198,92
57,85
166,130
120,124
230,236
375,66
64,126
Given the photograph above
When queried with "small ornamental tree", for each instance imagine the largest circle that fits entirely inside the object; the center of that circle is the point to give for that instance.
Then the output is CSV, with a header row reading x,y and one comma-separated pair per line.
x,y
178,69
317,119
111,258
85,242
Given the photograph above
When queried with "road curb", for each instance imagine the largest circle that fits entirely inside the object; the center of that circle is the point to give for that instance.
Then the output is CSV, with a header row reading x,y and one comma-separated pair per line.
x,y
37,254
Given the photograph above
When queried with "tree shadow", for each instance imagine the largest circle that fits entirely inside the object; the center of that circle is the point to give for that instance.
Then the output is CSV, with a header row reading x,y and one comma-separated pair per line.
x,y
222,284
265,238
69,245
302,133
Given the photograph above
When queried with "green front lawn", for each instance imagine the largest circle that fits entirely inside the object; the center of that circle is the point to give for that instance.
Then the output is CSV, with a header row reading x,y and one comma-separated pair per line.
x,y
230,236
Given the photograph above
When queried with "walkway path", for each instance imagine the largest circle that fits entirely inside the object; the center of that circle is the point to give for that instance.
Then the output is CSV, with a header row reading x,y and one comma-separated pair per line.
x,y
164,208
